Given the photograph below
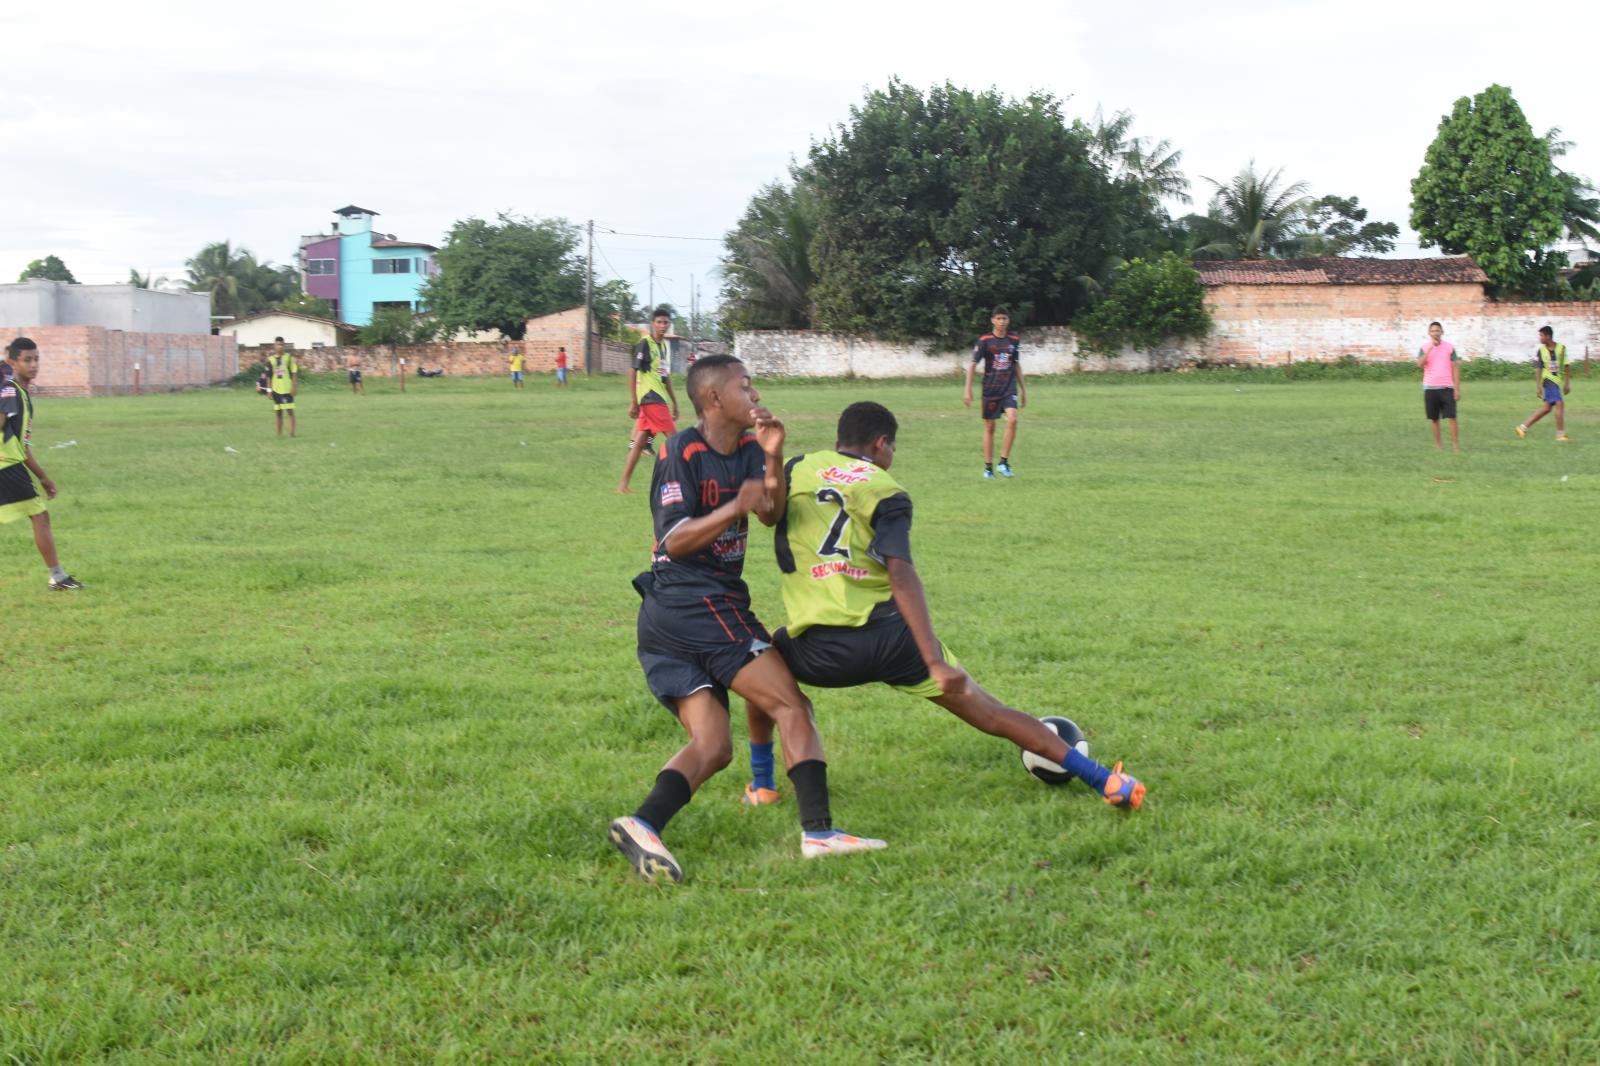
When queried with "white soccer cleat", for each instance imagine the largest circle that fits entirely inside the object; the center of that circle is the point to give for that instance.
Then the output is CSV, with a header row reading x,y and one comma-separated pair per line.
x,y
815,845
644,849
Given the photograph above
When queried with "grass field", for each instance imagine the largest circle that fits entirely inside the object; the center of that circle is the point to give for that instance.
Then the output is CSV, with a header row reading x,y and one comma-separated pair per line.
x,y
318,767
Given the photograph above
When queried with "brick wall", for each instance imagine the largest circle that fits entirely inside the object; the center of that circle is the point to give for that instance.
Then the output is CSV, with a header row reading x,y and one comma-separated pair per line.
x,y
1269,323
458,358
93,361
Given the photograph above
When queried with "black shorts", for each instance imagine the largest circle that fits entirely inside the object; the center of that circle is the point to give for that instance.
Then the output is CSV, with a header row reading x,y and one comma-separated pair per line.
x,y
355,376
882,650
1439,403
686,649
15,485
994,405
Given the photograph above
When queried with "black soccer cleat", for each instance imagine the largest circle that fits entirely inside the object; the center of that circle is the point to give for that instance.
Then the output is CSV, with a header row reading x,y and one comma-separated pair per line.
x,y
65,583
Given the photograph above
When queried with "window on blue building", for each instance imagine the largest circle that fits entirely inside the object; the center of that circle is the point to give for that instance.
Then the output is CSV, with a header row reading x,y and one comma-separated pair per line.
x,y
391,266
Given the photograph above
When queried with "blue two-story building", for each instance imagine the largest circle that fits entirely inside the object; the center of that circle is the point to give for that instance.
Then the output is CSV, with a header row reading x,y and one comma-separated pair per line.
x,y
361,270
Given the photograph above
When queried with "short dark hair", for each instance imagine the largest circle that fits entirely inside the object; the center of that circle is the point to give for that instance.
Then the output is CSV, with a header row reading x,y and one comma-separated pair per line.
x,y
706,368
1441,326
862,423
661,312
998,311
21,344
1546,331
277,340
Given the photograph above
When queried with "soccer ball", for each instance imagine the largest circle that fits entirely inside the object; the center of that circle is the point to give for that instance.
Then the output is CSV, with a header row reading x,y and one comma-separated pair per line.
x,y
1047,771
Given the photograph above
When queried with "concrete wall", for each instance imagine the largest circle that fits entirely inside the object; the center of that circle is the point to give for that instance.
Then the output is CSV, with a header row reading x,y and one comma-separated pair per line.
x,y
1253,325
543,334
126,307
91,361
803,353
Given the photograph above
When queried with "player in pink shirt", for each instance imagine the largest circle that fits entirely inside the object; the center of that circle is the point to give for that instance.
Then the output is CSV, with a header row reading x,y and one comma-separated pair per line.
x,y
1441,383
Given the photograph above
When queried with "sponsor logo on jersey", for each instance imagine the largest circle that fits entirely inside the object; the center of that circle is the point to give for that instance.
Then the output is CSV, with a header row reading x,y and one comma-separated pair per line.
x,y
854,474
730,545
8,392
671,492
838,566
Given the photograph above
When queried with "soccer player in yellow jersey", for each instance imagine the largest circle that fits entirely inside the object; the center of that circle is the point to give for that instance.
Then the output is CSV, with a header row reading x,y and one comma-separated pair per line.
x,y
1553,380
515,358
649,392
21,476
285,382
857,611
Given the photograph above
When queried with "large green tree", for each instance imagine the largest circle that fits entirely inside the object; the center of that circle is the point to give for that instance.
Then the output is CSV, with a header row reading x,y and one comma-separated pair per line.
x,y
1488,189
1337,225
933,206
1251,216
766,265
51,268
497,275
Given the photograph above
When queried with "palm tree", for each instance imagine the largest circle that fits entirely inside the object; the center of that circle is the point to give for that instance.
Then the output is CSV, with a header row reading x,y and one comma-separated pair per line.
x,y
767,271
1152,166
1252,216
1580,207
215,270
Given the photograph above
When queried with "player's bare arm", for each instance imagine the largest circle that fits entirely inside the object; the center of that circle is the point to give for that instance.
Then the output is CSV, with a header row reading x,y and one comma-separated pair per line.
x,y
1022,388
966,396
696,534
912,601
770,435
633,394
672,396
38,471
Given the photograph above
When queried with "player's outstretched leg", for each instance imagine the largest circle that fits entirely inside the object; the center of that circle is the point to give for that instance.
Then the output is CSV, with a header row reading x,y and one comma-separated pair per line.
x,y
763,787
983,712
710,749
767,683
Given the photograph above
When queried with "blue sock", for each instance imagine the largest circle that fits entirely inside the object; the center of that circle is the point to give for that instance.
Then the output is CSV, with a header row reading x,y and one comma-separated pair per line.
x,y
761,765
1089,772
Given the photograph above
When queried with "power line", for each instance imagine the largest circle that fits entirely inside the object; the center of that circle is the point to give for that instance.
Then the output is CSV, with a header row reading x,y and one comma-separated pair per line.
x,y
660,236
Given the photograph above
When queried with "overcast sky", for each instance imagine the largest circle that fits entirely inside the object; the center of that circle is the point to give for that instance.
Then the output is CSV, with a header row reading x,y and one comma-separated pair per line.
x,y
134,134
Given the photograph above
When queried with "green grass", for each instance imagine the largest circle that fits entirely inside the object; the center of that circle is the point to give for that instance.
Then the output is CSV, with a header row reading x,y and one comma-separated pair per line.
x,y
317,768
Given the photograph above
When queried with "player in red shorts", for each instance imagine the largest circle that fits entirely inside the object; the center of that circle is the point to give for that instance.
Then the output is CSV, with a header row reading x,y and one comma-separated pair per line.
x,y
650,389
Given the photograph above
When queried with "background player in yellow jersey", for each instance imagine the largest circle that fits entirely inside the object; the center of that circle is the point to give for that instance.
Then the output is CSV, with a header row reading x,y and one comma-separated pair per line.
x,y
19,491
649,392
1553,381
515,359
857,610
285,382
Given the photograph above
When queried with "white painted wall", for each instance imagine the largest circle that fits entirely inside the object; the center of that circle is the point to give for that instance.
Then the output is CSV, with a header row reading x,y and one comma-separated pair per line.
x,y
125,307
804,353
296,332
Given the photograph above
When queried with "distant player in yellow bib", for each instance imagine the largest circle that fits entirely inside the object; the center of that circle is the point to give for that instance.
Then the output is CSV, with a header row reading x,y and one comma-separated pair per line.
x,y
857,610
1552,381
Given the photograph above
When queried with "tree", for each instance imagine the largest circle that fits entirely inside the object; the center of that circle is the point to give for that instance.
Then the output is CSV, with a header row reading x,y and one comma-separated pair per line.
x,y
497,275
51,268
396,325
931,207
1149,302
1580,204
237,283
1252,216
1336,225
614,307
301,303
146,280
766,265
1487,188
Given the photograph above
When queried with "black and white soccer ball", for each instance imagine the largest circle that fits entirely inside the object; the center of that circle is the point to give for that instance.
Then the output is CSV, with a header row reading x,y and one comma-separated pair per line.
x,y
1047,771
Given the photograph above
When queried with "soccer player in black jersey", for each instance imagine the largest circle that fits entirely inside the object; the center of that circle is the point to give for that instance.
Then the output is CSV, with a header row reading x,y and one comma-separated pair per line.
x,y
697,635
1003,388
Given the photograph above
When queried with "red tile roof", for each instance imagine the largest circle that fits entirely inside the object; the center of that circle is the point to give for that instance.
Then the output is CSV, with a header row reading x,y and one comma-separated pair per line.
x,y
1337,270
383,242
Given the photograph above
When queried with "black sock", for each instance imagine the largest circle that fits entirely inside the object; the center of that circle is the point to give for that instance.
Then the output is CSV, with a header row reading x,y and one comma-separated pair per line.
x,y
670,795
1005,460
988,466
810,779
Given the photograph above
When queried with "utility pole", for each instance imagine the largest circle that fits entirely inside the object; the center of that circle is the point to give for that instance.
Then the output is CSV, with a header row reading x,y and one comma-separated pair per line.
x,y
694,334
588,307
652,286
